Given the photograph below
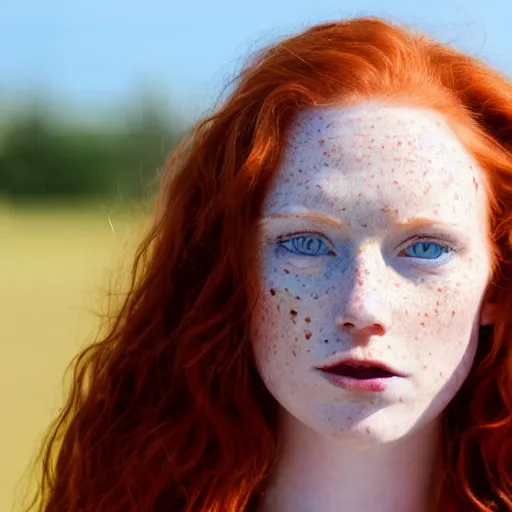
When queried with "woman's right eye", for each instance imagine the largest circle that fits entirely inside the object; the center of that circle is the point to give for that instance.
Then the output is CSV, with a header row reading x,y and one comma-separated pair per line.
x,y
306,245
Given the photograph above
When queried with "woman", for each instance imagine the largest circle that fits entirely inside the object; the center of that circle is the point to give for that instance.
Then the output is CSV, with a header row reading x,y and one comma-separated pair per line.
x,y
319,319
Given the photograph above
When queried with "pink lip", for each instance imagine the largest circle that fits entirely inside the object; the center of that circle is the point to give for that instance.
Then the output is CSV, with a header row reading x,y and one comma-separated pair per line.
x,y
351,384
375,385
364,363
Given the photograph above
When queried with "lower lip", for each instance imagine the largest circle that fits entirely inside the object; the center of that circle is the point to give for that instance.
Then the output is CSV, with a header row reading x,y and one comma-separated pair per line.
x,y
377,385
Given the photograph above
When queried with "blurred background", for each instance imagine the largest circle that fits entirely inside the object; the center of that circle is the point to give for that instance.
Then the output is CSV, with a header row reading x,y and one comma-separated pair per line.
x,y
93,96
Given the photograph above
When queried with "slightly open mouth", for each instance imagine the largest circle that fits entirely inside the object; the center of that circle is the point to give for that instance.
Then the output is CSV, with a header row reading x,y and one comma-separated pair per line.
x,y
359,372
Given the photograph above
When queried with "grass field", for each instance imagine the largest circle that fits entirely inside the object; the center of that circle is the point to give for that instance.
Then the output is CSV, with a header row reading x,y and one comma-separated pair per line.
x,y
55,267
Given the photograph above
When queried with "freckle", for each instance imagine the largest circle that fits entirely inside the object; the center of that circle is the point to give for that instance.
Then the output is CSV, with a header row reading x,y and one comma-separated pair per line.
x,y
286,289
343,209
308,334
441,374
437,303
401,400
321,142
307,319
395,182
286,271
453,313
272,291
298,298
426,315
368,430
425,366
440,289
422,324
364,225
308,351
294,354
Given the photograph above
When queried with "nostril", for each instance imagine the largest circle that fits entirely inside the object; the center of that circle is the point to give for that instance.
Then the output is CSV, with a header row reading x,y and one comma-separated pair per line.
x,y
378,329
375,329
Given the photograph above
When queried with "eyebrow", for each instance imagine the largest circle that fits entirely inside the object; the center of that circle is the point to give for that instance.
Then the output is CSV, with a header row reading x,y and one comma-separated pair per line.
x,y
311,216
416,222
411,222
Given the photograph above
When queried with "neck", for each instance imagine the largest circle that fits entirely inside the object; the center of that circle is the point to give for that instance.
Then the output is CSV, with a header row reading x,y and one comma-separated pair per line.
x,y
313,473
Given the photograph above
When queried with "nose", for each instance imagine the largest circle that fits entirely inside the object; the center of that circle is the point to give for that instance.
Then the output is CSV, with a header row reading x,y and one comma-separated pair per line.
x,y
365,322
365,312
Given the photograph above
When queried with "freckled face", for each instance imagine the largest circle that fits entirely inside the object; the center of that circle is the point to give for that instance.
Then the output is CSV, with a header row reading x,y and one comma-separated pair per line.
x,y
374,246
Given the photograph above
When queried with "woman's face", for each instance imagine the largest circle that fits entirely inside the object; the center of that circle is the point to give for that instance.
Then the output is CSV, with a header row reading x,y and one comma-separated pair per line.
x,y
375,250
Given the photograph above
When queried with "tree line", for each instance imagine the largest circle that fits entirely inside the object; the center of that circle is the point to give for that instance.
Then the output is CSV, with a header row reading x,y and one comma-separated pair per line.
x,y
45,157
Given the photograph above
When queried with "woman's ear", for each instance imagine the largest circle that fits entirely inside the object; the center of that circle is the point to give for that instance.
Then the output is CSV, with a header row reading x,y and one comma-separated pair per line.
x,y
489,307
488,313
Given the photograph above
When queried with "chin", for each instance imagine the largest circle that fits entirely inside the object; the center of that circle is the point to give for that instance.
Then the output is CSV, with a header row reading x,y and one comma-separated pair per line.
x,y
384,425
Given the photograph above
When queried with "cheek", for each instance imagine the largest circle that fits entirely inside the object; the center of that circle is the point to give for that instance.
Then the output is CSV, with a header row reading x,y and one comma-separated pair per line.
x,y
442,328
277,321
275,337
289,319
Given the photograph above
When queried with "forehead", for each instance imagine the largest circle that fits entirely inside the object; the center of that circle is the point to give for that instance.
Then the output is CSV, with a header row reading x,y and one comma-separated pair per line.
x,y
376,156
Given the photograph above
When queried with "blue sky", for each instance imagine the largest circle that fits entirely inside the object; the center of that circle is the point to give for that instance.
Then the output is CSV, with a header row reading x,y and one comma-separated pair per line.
x,y
96,53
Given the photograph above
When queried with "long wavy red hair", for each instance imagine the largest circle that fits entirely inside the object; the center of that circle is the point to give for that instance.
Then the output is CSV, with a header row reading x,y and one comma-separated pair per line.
x,y
167,412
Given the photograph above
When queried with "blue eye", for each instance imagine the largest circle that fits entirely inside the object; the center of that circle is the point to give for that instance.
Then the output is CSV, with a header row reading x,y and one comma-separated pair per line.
x,y
306,245
427,250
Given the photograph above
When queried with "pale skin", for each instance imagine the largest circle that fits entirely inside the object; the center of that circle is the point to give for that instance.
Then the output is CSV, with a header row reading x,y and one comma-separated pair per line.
x,y
374,244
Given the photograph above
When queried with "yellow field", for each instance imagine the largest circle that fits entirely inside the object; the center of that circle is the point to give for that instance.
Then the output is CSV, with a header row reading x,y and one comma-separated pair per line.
x,y
55,268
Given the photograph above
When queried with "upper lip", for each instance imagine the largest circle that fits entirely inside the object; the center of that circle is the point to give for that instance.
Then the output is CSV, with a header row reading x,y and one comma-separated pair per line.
x,y
364,363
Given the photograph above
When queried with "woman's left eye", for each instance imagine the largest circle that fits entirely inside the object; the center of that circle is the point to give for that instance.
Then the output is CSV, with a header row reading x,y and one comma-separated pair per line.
x,y
306,245
428,250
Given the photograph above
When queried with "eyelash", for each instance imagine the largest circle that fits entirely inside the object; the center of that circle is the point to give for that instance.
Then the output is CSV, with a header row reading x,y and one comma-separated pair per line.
x,y
449,248
432,240
291,236
288,236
